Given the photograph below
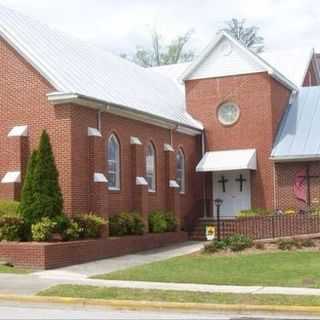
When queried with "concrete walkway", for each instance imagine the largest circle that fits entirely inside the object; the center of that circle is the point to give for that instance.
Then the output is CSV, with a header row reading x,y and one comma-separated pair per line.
x,y
85,270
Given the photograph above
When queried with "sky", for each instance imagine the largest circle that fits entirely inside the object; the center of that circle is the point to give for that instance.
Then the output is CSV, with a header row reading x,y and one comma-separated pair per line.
x,y
121,25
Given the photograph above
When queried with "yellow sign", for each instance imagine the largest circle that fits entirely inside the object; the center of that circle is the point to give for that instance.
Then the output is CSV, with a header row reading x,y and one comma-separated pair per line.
x,y
210,232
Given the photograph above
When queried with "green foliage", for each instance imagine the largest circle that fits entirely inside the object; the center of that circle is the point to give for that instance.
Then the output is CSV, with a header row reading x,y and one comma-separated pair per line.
x,y
157,222
11,227
126,223
286,244
307,243
27,194
43,230
8,207
254,213
41,194
171,222
238,242
71,232
215,246
91,226
160,221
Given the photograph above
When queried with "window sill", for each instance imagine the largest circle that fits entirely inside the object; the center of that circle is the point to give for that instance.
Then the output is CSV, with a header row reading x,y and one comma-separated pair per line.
x,y
114,189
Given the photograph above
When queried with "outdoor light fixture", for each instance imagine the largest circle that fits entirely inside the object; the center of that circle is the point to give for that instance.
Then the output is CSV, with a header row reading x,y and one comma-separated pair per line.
x,y
218,203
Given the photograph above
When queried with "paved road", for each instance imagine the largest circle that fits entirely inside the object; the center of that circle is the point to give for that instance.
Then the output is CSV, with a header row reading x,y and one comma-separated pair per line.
x,y
14,311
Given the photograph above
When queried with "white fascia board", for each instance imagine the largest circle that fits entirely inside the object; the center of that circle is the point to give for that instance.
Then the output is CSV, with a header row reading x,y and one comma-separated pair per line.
x,y
93,132
57,98
141,181
30,57
168,147
12,177
135,140
18,131
173,184
315,157
99,177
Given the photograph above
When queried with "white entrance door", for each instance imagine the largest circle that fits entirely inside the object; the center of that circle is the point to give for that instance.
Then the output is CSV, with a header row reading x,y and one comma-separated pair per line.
x,y
233,187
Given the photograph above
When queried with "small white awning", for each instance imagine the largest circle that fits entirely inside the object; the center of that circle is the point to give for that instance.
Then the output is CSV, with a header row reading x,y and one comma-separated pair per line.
x,y
228,160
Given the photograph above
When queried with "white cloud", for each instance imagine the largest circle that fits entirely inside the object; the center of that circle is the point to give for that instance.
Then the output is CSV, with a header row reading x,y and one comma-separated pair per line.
x,y
120,25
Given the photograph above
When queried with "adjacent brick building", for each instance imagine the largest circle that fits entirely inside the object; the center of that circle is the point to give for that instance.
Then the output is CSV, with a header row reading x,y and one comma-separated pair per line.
x,y
127,138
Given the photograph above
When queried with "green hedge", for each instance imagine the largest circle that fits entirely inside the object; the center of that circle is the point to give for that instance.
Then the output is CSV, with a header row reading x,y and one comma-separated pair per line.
x,y
126,223
11,228
254,213
8,207
161,221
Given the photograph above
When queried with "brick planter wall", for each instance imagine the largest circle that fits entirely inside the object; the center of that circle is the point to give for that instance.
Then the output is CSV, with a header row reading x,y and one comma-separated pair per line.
x,y
54,255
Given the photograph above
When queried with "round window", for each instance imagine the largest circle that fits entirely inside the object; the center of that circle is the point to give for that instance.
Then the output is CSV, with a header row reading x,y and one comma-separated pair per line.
x,y
228,113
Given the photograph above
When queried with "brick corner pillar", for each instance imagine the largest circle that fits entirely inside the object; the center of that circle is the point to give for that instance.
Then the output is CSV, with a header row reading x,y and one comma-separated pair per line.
x,y
98,183
139,183
173,202
18,153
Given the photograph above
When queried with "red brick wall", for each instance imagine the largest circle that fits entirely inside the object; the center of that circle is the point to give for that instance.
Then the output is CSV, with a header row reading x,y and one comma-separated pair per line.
x,y
125,128
310,78
261,101
23,101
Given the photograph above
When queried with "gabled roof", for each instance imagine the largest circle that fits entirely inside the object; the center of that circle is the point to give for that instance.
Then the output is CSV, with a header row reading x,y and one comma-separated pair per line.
x,y
255,58
298,136
76,67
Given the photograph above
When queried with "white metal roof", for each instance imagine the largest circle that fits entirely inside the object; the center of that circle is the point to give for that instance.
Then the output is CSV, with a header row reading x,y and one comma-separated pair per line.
x,y
73,66
228,160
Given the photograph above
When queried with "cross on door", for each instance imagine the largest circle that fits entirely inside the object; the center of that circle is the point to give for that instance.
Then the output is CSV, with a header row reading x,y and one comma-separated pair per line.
x,y
223,182
308,178
241,180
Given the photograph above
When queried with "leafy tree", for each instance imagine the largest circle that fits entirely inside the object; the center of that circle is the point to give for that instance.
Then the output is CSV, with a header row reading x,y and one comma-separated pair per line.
x,y
27,194
41,196
162,54
247,35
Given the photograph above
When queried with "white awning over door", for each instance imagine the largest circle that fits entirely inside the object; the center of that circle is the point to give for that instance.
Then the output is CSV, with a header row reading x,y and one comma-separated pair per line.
x,y
244,159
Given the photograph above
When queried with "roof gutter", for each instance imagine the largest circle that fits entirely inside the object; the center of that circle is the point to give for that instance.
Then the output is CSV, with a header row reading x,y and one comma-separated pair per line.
x,y
315,157
58,98
284,81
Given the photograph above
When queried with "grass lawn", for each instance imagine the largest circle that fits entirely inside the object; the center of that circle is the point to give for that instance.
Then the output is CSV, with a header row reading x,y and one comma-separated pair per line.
x,y
8,269
294,269
91,292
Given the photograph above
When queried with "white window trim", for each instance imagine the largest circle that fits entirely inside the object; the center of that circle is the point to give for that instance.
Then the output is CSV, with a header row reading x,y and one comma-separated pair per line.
x,y
117,187
182,187
153,188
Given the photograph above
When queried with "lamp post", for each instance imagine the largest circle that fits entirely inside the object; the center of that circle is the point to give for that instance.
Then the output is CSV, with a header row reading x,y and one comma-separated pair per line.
x,y
218,203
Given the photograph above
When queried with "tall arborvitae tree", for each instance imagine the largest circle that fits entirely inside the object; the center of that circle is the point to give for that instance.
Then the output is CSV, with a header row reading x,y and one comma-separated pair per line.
x,y
27,194
42,192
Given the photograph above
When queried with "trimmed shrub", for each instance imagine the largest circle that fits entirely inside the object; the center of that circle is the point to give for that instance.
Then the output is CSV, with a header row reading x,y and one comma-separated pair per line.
x,y
214,246
11,228
160,221
126,223
43,230
238,242
308,243
171,222
41,194
8,207
286,244
254,213
91,226
157,222
72,232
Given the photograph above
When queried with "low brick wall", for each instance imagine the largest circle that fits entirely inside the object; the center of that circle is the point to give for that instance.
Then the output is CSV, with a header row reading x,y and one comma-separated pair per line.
x,y
59,254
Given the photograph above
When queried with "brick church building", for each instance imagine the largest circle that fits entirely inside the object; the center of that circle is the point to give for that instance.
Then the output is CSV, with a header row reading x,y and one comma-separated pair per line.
x,y
232,124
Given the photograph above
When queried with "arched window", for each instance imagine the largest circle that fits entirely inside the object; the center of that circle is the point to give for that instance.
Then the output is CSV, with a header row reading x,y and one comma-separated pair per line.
x,y
180,171
151,168
113,156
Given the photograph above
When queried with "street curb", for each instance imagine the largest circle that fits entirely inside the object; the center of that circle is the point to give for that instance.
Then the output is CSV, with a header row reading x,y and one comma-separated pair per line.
x,y
138,305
